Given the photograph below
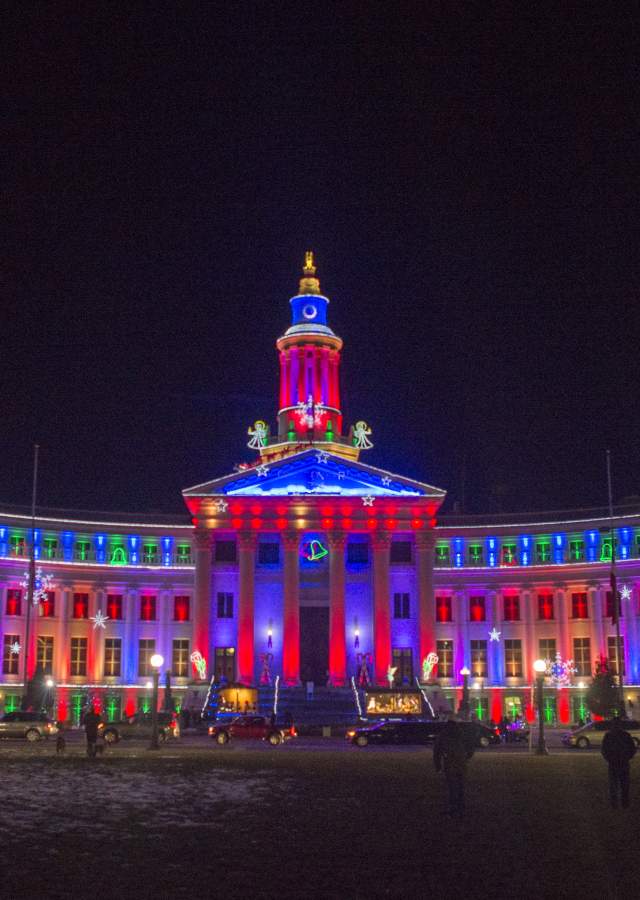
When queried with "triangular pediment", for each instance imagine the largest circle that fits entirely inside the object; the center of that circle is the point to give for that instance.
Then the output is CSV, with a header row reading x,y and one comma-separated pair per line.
x,y
314,472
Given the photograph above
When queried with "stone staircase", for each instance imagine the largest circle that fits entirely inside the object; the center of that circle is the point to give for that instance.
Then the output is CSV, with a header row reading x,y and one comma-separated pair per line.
x,y
328,706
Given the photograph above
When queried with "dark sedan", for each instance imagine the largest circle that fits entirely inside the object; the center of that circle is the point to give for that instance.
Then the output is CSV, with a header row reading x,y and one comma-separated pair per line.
x,y
418,732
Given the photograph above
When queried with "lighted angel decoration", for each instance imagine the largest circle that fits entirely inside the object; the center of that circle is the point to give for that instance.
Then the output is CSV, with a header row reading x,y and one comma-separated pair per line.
x,y
361,432
258,435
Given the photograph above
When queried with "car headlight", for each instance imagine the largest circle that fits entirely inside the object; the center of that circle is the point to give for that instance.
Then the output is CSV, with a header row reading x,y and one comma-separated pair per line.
x,y
351,734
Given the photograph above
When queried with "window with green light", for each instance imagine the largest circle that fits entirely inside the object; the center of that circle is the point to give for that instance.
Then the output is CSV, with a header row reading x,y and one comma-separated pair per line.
x,y
50,545
184,553
576,550
480,707
11,703
118,556
112,709
543,551
150,553
77,704
442,555
605,552
508,554
549,710
83,549
475,554
144,704
513,707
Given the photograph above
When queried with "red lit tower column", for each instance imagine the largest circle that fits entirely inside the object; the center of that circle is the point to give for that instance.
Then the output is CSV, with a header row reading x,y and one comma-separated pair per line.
x,y
202,604
247,543
291,610
337,640
381,544
425,558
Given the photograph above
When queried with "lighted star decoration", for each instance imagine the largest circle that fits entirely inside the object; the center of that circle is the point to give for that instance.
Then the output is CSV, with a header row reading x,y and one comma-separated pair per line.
x,y
368,500
99,620
15,648
322,456
221,505
41,586
494,634
625,592
386,481
262,471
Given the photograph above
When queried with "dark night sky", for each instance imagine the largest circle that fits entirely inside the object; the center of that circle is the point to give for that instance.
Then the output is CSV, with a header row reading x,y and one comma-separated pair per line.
x,y
466,175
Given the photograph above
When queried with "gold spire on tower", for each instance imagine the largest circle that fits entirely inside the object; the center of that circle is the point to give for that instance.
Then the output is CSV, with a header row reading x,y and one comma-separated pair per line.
x,y
309,284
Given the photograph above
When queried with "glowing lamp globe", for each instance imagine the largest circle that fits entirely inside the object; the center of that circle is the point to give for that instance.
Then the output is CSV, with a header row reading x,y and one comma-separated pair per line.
x,y
476,686
149,685
49,682
156,660
539,666
464,671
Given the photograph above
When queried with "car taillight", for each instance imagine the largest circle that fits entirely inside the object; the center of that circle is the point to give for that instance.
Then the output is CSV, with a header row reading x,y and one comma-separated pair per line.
x,y
211,729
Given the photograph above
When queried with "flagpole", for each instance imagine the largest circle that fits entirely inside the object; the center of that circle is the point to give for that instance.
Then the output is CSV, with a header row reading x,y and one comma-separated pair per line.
x,y
615,595
32,573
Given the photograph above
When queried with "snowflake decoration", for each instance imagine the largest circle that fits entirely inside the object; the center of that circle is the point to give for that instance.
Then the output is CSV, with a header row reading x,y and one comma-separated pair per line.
x,y
625,592
308,413
368,500
262,471
221,505
41,585
99,620
322,457
15,648
494,635
560,670
386,481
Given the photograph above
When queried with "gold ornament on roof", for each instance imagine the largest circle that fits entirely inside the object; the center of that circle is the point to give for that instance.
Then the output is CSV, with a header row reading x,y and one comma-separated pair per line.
x,y
309,284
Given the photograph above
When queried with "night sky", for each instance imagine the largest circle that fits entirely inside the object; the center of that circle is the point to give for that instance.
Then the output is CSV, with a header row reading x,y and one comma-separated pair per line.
x,y
466,175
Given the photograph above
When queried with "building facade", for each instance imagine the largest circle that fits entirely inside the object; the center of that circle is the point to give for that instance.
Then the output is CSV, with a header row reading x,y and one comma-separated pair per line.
x,y
310,565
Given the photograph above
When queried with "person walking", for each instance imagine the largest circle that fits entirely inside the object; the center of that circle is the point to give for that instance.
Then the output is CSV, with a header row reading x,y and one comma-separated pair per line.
x,y
452,752
92,722
618,748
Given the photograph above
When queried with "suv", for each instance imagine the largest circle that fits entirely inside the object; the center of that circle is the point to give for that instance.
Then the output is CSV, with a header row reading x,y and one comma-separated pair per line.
x,y
419,732
139,726
592,734
29,726
257,728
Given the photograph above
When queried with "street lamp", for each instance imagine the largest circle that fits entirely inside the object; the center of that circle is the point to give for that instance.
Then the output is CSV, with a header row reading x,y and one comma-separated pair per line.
x,y
540,667
464,705
156,662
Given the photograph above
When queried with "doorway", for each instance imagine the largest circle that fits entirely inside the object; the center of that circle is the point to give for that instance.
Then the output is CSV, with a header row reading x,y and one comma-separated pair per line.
x,y
314,644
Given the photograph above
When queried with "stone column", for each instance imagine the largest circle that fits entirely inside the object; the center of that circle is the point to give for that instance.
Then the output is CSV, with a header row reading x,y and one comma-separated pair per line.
x,y
628,630
129,664
63,650
462,657
202,638
529,650
96,638
164,643
425,560
495,655
381,543
247,543
291,609
337,636
562,614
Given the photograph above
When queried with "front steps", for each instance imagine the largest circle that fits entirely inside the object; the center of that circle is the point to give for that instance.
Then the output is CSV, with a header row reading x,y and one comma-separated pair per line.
x,y
327,706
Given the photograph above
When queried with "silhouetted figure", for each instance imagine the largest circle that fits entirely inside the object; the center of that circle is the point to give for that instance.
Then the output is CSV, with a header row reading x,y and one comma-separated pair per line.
x,y
618,748
92,722
452,753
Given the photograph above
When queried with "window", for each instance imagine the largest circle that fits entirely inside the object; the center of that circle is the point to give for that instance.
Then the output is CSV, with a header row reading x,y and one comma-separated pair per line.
x,y
146,649
114,606
181,608
268,553
443,609
150,553
17,546
613,656
477,609
112,657
44,655
401,606
543,551
512,608
475,554
400,552
47,607
444,649
225,663
118,556
579,606
545,607
180,658
83,550
402,661
183,553
547,648
513,658
576,551
147,609
50,547
80,606
357,552
479,659
225,605
225,551
582,655
78,656
509,555
14,598
9,656
609,607
442,555
113,709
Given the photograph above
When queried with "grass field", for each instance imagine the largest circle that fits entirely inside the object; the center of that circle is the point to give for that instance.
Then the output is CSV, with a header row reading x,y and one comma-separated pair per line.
x,y
312,823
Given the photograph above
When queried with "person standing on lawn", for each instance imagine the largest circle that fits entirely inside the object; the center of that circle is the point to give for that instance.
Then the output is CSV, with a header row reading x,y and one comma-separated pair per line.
x,y
618,748
452,752
92,722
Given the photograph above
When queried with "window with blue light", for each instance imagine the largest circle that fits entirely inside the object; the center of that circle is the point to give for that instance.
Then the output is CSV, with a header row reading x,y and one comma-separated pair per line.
x,y
525,550
492,551
458,552
558,548
167,545
133,542
67,545
101,547
592,539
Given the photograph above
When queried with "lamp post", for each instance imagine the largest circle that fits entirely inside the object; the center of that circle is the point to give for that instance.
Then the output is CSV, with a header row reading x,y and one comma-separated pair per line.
x,y
540,667
156,662
464,705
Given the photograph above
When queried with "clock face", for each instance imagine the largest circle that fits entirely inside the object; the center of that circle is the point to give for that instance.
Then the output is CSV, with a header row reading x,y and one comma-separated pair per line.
x,y
309,311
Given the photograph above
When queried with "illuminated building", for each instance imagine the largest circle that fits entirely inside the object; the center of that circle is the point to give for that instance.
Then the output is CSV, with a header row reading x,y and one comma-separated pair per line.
x,y
307,563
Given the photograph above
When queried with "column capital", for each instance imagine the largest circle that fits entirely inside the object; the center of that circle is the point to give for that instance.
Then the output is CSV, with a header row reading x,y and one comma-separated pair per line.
x,y
380,540
337,540
425,540
290,540
247,540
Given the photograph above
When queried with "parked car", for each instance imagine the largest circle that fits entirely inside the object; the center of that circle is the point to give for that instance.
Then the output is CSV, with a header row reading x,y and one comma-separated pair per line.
x,y
250,728
513,732
139,726
29,726
418,732
592,734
